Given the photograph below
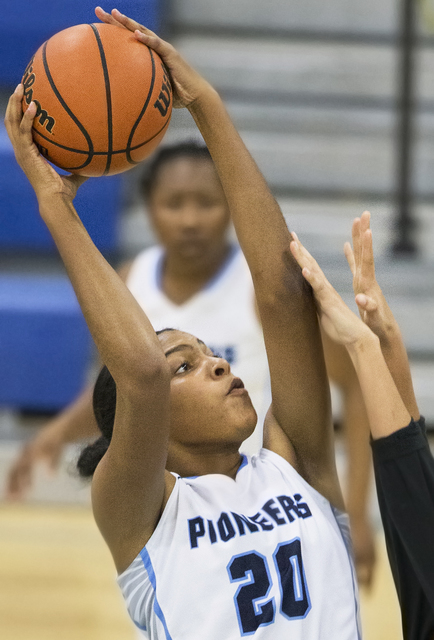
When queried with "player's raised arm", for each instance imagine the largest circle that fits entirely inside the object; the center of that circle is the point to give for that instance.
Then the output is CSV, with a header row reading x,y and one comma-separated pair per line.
x,y
300,413
133,468
300,425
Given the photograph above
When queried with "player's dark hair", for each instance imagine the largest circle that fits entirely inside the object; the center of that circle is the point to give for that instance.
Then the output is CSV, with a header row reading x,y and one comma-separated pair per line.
x,y
104,409
188,149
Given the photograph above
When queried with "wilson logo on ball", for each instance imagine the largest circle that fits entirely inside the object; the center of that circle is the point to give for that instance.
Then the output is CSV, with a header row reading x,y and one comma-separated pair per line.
x,y
164,99
28,81
41,114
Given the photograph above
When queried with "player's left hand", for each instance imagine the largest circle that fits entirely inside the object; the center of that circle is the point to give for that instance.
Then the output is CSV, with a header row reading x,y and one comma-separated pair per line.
x,y
187,84
337,320
43,178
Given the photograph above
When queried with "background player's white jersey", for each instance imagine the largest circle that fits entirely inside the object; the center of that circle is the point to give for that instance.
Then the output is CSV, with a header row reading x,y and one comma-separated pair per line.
x,y
222,315
262,556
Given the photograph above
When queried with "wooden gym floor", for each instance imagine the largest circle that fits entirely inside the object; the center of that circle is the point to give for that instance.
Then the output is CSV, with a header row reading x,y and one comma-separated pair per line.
x,y
57,581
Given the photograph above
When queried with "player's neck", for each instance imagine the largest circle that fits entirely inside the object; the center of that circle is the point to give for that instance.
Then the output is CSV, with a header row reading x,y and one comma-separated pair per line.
x,y
188,463
183,277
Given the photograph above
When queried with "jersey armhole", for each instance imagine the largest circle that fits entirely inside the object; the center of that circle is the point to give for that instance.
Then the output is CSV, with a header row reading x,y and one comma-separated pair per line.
x,y
173,496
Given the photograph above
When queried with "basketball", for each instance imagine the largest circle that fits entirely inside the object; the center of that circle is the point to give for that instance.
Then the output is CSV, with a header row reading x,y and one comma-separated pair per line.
x,y
103,99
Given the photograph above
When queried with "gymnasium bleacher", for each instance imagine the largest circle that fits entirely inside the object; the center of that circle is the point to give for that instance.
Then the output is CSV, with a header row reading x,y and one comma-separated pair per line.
x,y
45,348
312,88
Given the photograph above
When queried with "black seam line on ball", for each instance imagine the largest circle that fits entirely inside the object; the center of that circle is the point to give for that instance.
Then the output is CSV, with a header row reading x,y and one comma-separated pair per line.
x,y
67,109
103,153
108,99
130,160
145,106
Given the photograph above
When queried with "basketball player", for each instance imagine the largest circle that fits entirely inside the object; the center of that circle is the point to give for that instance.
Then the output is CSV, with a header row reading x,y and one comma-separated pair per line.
x,y
209,544
403,463
198,281
216,545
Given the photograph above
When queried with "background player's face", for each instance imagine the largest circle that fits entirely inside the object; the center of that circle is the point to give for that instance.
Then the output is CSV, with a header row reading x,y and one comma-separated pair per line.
x,y
188,208
203,409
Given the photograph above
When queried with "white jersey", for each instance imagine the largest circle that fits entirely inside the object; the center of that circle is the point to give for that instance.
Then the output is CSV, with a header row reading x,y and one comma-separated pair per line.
x,y
263,555
222,314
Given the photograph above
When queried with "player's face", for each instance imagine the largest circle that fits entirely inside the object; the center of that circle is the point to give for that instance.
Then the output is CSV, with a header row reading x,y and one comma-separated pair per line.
x,y
209,405
188,209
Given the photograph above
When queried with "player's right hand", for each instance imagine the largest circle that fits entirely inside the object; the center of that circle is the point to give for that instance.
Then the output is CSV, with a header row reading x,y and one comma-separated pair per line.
x,y
46,447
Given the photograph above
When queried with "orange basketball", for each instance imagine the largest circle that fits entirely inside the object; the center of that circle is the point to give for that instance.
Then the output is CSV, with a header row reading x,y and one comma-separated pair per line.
x,y
103,99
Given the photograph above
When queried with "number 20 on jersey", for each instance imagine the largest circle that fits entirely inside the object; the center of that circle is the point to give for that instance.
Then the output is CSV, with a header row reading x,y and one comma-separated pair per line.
x,y
251,569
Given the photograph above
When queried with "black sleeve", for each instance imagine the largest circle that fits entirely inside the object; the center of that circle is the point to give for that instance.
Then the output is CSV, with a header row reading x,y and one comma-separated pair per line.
x,y
404,475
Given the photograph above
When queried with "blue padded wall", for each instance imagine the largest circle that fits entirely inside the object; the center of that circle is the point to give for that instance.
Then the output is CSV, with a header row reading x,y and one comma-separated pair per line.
x,y
98,202
26,24
45,346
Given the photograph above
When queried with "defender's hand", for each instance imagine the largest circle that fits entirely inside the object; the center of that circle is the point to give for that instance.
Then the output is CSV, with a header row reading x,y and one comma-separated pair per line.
x,y
187,84
337,320
373,308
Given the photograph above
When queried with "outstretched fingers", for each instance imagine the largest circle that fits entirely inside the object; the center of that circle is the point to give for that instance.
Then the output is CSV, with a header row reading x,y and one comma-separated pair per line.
x,y
367,258
360,225
355,234
339,323
365,222
360,256
349,254
309,267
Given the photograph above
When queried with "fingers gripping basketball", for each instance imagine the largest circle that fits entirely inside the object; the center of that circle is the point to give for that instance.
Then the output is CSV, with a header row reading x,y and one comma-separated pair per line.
x,y
103,99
